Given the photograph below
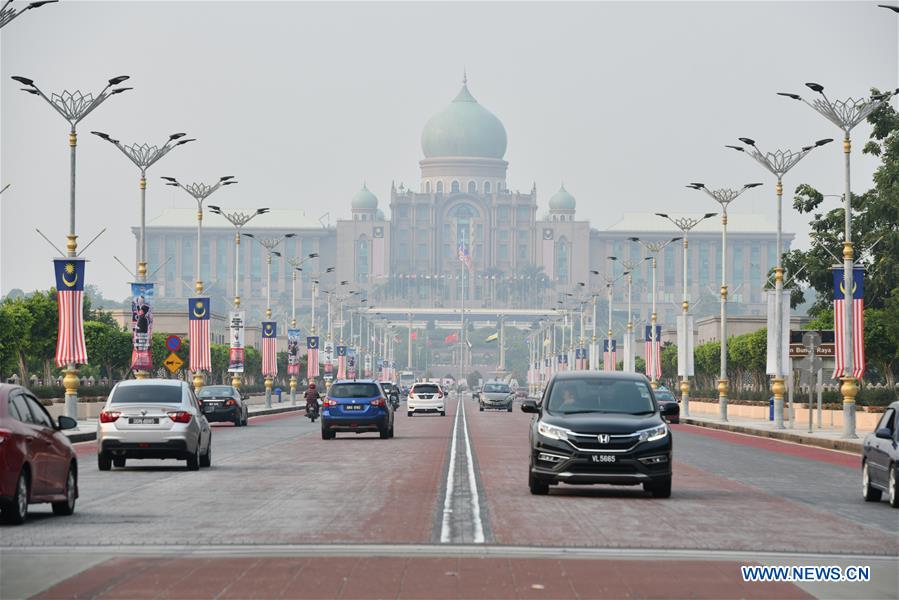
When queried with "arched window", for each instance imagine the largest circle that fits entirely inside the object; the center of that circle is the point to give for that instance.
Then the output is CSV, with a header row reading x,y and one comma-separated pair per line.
x,y
439,187
472,187
455,187
562,260
486,187
428,187
362,266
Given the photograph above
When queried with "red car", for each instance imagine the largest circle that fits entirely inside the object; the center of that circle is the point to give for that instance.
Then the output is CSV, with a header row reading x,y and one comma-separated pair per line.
x,y
37,461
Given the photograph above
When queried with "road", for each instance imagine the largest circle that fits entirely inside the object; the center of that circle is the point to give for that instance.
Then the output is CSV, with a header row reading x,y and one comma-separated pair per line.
x,y
444,510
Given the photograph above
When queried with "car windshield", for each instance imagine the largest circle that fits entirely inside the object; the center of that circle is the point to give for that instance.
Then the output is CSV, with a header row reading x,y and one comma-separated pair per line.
x,y
354,390
216,390
601,396
425,389
496,388
665,395
162,394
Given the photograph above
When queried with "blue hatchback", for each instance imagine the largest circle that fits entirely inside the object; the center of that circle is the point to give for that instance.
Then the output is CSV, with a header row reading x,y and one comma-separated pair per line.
x,y
356,406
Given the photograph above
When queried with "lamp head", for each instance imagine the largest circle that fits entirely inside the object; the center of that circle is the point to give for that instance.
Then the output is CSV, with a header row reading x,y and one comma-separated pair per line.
x,y
182,142
676,239
177,136
119,79
278,254
612,257
663,215
789,95
696,186
226,177
747,141
172,179
634,239
329,270
40,3
313,255
228,182
261,211
707,215
250,235
289,235
23,80
895,9
101,135
737,148
815,87
119,90
212,207
822,142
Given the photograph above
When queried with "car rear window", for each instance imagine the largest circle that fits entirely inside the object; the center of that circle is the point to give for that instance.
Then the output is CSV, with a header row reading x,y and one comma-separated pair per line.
x,y
354,390
496,388
216,390
162,394
600,395
664,395
427,388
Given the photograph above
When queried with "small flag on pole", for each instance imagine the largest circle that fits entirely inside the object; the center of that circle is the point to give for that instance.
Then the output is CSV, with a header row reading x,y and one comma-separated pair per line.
x,y
70,345
269,348
198,329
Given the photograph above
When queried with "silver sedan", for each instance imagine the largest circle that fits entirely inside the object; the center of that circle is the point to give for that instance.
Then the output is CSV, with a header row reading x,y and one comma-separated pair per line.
x,y
153,418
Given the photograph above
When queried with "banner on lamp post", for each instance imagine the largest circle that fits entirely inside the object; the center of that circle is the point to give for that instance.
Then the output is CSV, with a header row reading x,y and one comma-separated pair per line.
x,y
685,346
236,358
771,360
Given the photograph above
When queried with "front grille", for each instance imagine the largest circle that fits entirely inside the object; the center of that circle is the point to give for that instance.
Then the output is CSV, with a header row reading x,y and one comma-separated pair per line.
x,y
590,442
601,468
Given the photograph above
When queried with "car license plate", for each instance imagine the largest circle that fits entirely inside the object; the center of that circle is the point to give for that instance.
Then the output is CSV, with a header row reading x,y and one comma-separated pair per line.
x,y
208,408
144,421
604,458
353,407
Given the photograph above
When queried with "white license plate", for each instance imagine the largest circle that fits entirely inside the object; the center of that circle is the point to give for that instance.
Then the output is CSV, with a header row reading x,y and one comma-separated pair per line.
x,y
604,458
353,407
144,421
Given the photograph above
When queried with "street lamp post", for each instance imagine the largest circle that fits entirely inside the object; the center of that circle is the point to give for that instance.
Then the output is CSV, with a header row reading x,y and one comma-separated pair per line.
x,y
653,247
846,114
610,283
8,13
629,265
778,163
297,264
723,197
238,220
686,224
73,107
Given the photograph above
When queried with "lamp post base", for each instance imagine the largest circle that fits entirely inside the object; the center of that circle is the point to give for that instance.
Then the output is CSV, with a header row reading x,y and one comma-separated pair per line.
x,y
141,375
268,392
685,396
723,389
71,383
849,390
777,389
235,380
293,390
198,381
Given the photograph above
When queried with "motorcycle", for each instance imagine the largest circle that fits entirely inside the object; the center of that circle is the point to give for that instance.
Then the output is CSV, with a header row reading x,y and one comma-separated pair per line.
x,y
312,410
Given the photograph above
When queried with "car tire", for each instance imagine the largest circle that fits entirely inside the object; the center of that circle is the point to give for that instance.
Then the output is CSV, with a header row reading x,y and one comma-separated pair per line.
x,y
246,418
384,434
481,407
442,413
409,413
16,511
660,488
869,492
327,435
118,461
509,409
238,419
894,490
206,459
67,506
193,462
538,488
104,461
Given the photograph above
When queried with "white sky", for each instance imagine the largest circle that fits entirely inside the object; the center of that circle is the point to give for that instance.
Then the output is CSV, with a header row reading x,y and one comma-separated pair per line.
x,y
625,102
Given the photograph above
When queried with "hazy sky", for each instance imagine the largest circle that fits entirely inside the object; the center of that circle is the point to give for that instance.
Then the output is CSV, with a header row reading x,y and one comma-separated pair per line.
x,y
625,102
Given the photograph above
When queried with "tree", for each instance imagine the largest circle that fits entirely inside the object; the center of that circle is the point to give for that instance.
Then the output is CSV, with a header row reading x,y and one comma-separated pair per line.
x,y
41,345
109,347
15,328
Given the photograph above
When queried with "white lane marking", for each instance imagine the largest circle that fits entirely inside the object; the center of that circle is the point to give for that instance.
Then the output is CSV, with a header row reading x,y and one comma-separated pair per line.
x,y
472,485
450,475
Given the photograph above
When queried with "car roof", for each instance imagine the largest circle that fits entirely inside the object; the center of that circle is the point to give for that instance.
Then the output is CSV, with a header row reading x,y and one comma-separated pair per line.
x,y
580,375
135,382
355,381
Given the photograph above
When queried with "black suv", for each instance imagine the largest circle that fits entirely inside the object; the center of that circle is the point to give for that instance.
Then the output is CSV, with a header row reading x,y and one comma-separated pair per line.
x,y
599,427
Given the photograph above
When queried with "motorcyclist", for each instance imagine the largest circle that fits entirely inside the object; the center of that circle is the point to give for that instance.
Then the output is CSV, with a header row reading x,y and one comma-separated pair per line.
x,y
312,397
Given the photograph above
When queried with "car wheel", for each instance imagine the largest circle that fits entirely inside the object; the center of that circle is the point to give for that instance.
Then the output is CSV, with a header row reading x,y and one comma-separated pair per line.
x,y
327,435
509,409
118,461
481,407
442,413
193,461
384,433
237,420
409,413
538,488
661,488
206,459
869,492
246,418
67,506
16,511
894,493
104,461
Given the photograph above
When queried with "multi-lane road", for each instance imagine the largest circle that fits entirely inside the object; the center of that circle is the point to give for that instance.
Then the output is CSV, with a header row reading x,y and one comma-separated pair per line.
x,y
444,510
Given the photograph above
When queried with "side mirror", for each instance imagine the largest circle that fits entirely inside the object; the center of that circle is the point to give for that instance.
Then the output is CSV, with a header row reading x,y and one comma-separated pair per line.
x,y
67,423
881,432
530,406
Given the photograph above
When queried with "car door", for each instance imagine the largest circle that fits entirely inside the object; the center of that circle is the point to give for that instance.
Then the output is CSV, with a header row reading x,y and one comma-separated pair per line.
x,y
202,423
37,446
57,458
880,449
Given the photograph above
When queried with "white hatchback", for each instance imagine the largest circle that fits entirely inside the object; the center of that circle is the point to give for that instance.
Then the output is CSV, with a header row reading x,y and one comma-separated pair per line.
x,y
426,397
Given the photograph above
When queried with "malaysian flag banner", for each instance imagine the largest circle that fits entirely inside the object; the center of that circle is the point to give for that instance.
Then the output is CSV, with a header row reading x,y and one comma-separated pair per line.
x,y
141,326
70,346
236,353
198,330
341,362
293,351
563,362
464,255
269,348
858,322
653,352
685,346
771,360
312,356
609,354
351,363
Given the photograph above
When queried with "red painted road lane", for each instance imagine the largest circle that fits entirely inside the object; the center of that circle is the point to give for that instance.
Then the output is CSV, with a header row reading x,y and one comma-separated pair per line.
x,y
411,578
706,511
82,448
833,457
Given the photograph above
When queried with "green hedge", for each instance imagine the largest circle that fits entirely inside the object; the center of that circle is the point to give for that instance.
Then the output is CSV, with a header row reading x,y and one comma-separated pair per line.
x,y
867,396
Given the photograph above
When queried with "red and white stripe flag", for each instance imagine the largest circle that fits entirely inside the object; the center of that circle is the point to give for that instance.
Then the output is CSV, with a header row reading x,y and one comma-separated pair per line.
x,y
70,346
652,351
609,354
269,348
341,362
198,330
858,322
312,356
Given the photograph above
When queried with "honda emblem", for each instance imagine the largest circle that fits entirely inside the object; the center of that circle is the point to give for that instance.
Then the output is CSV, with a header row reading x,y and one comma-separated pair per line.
x,y
604,438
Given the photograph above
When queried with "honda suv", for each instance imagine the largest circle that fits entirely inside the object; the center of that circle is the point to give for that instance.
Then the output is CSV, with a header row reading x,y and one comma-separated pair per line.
x,y
356,406
599,427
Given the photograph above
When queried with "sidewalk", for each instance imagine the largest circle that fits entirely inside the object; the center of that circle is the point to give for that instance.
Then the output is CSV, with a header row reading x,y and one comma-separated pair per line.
x,y
87,428
798,433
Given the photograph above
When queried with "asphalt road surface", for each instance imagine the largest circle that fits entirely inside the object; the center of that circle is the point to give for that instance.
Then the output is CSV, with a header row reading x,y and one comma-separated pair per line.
x,y
443,510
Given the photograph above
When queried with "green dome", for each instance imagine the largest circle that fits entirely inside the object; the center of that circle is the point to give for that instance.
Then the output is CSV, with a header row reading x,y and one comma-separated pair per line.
x,y
464,128
364,200
562,200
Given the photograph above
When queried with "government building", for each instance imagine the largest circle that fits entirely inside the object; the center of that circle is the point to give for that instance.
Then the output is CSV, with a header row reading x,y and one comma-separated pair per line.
x,y
523,255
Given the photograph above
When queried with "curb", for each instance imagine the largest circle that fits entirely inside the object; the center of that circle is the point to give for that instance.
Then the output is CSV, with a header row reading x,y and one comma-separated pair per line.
x,y
90,436
796,438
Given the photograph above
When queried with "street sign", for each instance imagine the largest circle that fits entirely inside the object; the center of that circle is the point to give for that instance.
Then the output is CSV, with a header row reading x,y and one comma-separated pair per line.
x,y
173,362
811,339
825,349
173,343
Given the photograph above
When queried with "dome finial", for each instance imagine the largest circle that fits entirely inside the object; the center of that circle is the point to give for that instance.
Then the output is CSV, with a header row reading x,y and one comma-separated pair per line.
x,y
464,76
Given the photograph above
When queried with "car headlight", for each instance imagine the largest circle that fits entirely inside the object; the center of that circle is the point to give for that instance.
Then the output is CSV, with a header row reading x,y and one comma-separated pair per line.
x,y
654,433
551,431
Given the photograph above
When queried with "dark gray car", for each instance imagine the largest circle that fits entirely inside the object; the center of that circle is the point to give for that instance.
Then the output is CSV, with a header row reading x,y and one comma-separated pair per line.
x,y
496,395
